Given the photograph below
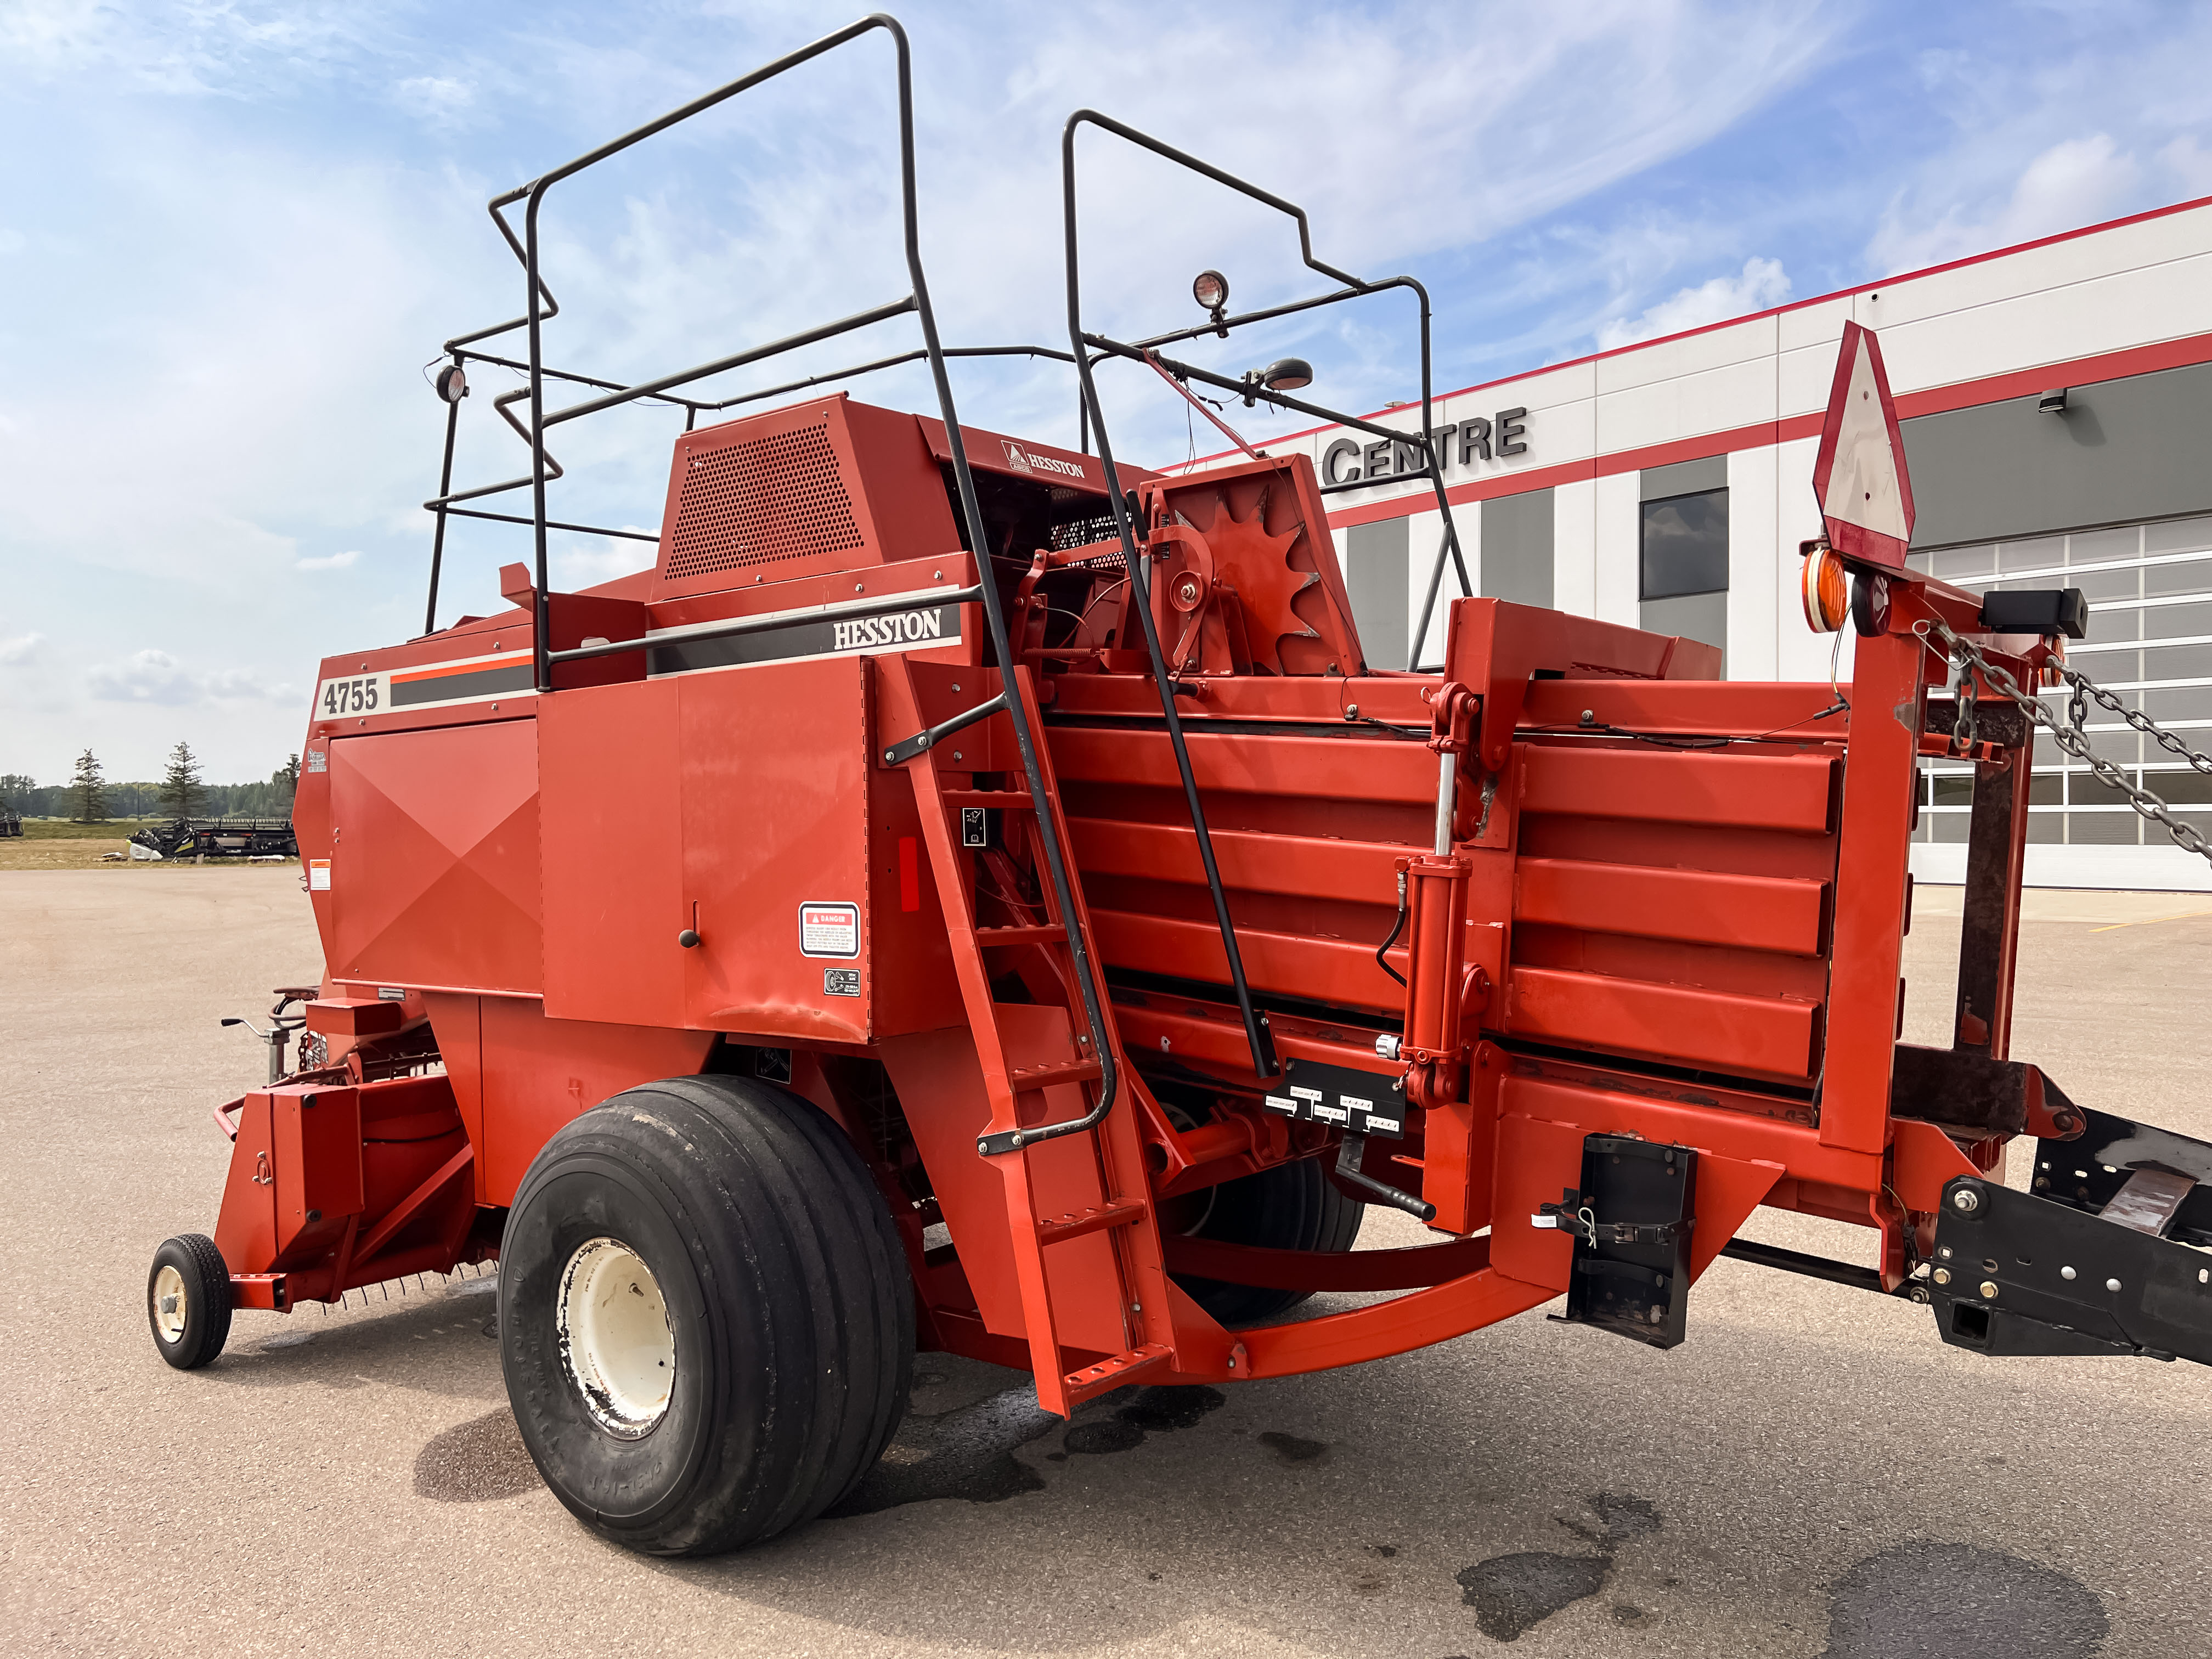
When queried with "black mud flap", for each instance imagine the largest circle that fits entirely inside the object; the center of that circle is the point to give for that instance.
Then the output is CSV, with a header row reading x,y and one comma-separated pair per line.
x,y
2018,1275
1632,1219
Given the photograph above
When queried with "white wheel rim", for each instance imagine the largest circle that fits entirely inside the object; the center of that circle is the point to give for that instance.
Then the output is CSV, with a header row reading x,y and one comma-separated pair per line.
x,y
616,1342
170,1305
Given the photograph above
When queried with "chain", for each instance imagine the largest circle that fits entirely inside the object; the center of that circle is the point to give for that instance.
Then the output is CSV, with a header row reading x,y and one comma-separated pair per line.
x,y
2077,710
2069,736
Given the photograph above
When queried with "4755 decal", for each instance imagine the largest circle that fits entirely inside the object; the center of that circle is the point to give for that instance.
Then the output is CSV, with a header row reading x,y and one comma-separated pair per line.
x,y
363,694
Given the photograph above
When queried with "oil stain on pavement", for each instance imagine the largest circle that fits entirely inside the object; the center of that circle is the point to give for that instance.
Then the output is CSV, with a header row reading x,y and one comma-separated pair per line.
x,y
1921,1600
1511,1594
1153,1411
968,1452
965,1453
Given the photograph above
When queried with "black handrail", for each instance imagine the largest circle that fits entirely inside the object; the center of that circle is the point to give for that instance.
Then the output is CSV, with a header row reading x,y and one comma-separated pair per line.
x,y
441,504
1256,1033
918,302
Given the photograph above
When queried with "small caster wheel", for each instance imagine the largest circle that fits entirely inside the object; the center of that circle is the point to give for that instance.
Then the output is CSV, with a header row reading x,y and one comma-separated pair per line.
x,y
188,1301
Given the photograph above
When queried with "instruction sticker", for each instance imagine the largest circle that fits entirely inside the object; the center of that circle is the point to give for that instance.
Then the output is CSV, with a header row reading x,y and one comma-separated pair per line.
x,y
829,930
319,875
840,982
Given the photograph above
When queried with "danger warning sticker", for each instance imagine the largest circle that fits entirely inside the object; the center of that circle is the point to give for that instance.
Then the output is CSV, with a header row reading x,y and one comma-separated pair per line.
x,y
829,930
319,875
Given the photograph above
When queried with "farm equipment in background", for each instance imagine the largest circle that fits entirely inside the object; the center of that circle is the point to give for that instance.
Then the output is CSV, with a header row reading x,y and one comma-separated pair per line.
x,y
972,894
217,838
11,823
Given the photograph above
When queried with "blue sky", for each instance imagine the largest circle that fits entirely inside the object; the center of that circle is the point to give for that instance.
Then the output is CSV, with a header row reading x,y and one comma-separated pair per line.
x,y
231,235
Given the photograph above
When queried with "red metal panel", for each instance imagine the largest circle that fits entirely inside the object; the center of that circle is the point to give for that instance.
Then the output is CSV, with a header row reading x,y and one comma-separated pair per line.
x,y
940,1085
824,485
1728,1032
354,1016
1709,1120
1700,906
776,802
1298,865
1793,711
1729,1190
1322,970
1414,1321
245,1228
316,1134
537,1074
433,857
1537,1159
1767,791
1377,771
456,1022
613,854
1871,879
1459,1148
1923,1157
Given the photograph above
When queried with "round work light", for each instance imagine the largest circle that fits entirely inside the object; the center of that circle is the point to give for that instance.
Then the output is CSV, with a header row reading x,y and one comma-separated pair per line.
x,y
1824,586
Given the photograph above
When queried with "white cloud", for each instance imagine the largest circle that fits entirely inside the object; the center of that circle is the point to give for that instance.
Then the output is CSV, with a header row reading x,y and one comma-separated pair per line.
x,y
2190,165
154,676
344,561
2074,183
21,651
439,101
577,568
195,47
1761,285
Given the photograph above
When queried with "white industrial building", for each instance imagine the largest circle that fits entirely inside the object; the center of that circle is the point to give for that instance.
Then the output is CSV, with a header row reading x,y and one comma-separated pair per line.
x,y
1668,484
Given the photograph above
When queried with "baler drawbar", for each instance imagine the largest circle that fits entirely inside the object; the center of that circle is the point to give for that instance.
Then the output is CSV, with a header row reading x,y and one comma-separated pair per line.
x,y
972,894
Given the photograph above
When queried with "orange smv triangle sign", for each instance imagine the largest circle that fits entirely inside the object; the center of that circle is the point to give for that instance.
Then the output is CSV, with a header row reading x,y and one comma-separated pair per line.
x,y
1860,477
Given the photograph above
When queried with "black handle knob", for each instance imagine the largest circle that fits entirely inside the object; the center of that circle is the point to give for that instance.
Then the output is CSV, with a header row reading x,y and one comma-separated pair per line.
x,y
688,938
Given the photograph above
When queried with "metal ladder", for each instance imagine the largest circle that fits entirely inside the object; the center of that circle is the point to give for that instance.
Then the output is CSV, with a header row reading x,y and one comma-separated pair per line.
x,y
1078,1182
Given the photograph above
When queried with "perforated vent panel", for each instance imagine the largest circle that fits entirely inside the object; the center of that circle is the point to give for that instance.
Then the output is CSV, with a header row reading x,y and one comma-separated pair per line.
x,y
773,497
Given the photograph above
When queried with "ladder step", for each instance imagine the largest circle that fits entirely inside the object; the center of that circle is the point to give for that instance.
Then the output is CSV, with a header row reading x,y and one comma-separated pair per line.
x,y
1058,1071
1075,1224
1004,800
1108,1374
1042,933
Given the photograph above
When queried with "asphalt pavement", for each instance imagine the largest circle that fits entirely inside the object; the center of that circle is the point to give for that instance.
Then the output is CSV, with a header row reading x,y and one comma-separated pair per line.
x,y
1812,1472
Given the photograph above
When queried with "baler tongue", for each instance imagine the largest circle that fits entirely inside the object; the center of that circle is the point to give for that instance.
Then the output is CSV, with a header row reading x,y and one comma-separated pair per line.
x,y
2103,1258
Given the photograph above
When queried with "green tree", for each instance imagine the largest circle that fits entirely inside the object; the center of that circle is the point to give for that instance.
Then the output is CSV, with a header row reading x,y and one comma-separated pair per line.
x,y
89,790
286,778
182,786
15,791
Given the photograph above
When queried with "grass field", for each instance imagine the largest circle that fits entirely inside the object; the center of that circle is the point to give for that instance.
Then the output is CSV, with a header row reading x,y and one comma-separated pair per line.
x,y
57,844
62,829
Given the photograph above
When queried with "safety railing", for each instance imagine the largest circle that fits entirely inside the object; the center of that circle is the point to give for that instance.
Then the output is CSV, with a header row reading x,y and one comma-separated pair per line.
x,y
1089,350
540,306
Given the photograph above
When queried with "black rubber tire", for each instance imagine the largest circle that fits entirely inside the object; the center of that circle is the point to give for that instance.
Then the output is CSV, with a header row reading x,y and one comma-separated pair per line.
x,y
1291,1206
207,1301
787,1297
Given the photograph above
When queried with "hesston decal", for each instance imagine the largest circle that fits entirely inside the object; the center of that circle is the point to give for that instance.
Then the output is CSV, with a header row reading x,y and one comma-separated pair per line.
x,y
811,634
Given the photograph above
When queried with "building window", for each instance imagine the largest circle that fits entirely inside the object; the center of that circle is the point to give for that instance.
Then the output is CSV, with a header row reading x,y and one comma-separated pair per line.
x,y
1376,577
1517,548
1684,567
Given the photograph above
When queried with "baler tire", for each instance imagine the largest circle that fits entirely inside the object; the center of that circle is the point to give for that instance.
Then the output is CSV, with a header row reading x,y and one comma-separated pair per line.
x,y
787,1303
1289,1207
203,1283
